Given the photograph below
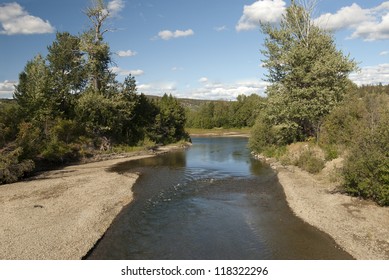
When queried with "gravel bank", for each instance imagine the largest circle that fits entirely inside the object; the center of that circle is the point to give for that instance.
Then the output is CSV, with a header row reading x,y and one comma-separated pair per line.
x,y
360,227
59,215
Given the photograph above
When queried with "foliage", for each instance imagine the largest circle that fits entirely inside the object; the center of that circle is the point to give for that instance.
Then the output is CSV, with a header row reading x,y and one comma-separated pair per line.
x,y
68,104
11,168
308,161
169,122
67,69
366,170
227,114
308,76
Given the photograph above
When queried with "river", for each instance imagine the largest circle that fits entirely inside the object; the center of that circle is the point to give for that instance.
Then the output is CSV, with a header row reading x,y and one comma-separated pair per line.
x,y
212,201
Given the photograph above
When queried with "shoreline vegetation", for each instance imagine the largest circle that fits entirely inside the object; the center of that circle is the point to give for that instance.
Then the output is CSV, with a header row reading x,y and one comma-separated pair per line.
x,y
33,211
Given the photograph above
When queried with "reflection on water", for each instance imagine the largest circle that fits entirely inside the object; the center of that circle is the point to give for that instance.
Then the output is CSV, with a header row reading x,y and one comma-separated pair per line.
x,y
212,201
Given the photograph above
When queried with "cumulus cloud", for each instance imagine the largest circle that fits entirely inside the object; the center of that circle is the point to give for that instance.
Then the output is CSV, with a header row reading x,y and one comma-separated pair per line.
x,y
167,34
158,88
123,72
208,89
269,11
373,30
15,20
7,88
368,24
127,53
115,7
344,18
371,75
227,91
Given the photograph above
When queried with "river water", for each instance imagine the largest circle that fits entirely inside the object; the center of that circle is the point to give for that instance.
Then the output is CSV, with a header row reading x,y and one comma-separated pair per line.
x,y
212,201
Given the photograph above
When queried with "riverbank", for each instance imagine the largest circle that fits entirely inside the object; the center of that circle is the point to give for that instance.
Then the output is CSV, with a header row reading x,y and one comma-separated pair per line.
x,y
61,214
219,132
360,227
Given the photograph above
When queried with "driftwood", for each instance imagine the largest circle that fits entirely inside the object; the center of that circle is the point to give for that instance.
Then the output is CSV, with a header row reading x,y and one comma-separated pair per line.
x,y
105,144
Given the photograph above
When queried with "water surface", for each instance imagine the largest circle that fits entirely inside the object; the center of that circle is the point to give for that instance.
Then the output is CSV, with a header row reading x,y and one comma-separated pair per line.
x,y
212,201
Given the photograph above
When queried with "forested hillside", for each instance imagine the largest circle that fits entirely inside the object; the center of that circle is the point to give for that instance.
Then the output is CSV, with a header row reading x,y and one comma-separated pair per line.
x,y
69,104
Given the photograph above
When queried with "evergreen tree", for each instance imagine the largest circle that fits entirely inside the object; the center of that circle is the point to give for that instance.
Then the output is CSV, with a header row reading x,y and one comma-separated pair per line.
x,y
34,93
67,69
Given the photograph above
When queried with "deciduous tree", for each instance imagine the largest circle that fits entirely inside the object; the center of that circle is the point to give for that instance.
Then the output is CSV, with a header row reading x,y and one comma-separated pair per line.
x,y
308,75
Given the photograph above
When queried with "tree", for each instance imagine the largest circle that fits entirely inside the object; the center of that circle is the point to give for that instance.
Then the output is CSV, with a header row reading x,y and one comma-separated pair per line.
x,y
97,50
309,75
169,122
34,93
66,66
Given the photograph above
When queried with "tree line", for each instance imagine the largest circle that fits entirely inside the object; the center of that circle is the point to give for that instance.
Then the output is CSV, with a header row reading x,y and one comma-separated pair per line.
x,y
69,104
225,114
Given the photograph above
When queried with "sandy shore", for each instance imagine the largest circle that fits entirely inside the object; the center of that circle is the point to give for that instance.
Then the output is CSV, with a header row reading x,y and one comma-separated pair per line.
x,y
360,227
61,214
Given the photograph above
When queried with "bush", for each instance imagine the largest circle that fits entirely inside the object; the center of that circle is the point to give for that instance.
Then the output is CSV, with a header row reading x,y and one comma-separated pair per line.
x,y
331,152
307,156
10,167
261,136
366,170
309,162
58,151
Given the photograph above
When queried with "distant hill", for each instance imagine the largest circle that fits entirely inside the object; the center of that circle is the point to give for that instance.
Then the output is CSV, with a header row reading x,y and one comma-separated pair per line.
x,y
189,102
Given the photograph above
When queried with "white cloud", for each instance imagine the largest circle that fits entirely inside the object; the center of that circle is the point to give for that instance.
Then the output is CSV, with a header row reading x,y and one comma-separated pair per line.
x,y
127,53
221,28
208,90
384,53
371,75
221,91
122,72
167,34
158,88
115,7
373,30
344,18
15,20
7,88
368,24
203,80
269,11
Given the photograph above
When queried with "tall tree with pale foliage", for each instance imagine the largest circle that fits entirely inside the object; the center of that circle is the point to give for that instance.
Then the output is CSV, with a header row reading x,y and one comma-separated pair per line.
x,y
308,75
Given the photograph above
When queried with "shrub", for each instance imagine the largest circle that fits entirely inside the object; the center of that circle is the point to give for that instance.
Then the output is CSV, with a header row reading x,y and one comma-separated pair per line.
x,y
10,167
310,162
366,170
58,151
307,156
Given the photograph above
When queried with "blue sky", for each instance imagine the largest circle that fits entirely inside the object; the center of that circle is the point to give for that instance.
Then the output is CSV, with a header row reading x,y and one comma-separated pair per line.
x,y
207,49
